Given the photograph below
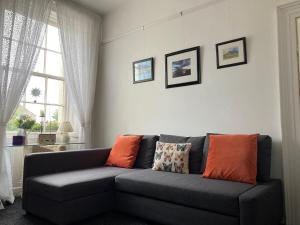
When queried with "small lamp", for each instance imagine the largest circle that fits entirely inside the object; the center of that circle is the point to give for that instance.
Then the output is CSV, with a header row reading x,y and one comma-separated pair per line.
x,y
64,128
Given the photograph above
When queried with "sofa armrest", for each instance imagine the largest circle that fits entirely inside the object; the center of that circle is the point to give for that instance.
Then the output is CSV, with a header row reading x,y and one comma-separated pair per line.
x,y
54,162
262,205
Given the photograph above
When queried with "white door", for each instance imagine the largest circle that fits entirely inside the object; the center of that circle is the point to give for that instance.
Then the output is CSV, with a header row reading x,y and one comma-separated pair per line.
x,y
289,63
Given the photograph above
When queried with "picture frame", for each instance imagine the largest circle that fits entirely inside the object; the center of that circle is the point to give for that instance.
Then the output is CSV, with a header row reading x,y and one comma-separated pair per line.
x,y
143,70
231,53
182,68
47,139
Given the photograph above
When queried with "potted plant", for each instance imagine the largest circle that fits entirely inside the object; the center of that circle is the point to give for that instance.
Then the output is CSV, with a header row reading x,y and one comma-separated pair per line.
x,y
25,124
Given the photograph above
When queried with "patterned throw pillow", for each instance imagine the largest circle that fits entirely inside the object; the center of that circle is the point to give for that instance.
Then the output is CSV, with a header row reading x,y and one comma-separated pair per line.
x,y
172,157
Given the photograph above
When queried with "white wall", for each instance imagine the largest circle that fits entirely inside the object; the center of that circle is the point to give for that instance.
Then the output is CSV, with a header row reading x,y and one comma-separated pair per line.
x,y
242,99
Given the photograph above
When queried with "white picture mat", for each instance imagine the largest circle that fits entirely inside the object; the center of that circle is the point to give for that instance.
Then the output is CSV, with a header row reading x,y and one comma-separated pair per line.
x,y
239,59
184,79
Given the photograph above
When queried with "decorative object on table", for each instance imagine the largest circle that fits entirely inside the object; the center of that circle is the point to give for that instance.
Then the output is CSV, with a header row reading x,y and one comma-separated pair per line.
x,y
183,68
18,140
64,128
143,70
47,139
25,124
231,53
35,92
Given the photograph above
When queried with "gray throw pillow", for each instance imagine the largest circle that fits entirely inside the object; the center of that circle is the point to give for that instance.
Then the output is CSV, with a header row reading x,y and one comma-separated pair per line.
x,y
145,155
196,152
205,152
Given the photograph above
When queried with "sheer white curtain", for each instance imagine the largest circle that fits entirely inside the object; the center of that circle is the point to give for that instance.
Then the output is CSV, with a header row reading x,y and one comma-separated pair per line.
x,y
22,28
80,41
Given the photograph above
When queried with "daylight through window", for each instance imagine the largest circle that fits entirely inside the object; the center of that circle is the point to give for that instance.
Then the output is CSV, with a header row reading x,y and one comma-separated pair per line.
x,y
43,99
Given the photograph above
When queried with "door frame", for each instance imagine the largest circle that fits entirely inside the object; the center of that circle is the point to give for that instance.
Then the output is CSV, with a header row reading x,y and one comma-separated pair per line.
x,y
290,106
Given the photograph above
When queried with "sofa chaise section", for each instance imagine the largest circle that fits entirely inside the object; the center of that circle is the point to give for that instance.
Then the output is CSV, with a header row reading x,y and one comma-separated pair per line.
x,y
69,186
66,187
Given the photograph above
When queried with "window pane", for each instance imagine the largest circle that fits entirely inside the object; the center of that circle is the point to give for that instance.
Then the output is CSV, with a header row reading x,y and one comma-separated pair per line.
x,y
35,91
53,38
55,92
11,125
39,66
33,110
53,117
54,64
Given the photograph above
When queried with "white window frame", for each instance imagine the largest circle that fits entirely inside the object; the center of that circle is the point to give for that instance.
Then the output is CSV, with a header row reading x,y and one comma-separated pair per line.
x,y
53,22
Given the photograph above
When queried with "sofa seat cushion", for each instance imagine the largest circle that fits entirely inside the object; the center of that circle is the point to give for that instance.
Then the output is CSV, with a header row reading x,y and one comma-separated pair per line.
x,y
186,189
74,184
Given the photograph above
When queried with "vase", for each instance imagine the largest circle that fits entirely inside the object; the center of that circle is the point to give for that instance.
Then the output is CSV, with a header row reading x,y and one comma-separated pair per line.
x,y
23,132
65,137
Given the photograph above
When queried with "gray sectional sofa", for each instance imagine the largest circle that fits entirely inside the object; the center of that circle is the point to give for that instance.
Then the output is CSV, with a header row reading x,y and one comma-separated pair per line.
x,y
70,186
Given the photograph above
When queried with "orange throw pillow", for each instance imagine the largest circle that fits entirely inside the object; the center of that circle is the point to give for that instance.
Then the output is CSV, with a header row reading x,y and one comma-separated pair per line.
x,y
232,157
124,151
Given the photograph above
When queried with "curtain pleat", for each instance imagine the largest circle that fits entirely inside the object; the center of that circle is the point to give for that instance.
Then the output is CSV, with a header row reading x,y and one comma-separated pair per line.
x,y
80,42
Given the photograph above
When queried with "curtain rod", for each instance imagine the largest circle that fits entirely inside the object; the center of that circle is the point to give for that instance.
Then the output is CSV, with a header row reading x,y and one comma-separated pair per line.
x,y
162,20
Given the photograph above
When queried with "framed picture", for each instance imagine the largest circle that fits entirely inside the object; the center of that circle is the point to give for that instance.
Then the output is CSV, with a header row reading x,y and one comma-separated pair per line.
x,y
183,68
231,53
143,70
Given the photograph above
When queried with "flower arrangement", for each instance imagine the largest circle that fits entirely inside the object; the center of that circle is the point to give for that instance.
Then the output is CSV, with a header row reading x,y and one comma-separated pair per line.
x,y
25,122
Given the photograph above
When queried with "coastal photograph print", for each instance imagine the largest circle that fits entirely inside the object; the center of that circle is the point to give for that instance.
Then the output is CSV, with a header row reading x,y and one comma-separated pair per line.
x,y
182,68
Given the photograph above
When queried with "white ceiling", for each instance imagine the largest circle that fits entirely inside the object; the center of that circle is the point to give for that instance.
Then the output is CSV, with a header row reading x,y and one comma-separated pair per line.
x,y
101,6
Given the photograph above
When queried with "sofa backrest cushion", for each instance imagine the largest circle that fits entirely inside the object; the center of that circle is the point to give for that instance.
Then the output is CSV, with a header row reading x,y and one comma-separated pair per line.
x,y
196,152
145,155
264,147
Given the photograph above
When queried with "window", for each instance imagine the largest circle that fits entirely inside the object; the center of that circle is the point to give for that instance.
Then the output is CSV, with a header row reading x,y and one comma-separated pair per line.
x,y
43,99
